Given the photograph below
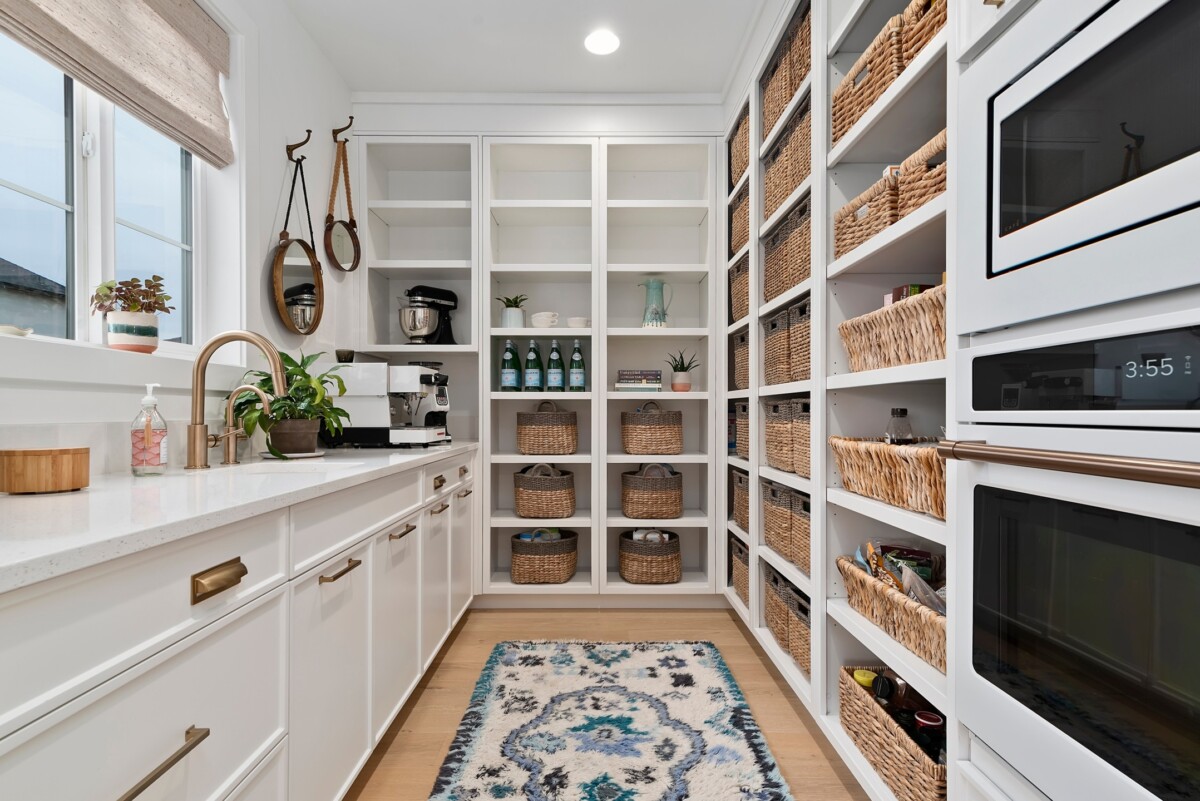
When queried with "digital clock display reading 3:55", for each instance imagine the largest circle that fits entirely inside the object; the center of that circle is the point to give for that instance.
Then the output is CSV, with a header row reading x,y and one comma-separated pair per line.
x,y
1152,368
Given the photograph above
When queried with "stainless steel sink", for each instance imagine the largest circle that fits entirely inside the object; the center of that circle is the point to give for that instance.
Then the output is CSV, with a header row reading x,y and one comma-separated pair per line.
x,y
297,466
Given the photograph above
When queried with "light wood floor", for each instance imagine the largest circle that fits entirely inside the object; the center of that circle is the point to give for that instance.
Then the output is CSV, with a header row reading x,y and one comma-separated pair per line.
x,y
406,762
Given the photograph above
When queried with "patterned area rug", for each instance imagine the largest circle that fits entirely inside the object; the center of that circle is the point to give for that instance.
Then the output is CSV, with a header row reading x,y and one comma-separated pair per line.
x,y
634,721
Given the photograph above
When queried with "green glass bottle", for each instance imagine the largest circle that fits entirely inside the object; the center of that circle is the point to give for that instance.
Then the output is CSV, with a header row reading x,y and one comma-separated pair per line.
x,y
556,372
510,369
533,369
578,373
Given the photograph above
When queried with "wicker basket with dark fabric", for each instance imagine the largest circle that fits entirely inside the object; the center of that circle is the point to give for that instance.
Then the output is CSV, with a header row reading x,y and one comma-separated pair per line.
x,y
741,419
543,492
909,331
799,342
920,22
547,432
652,493
801,437
787,253
739,149
741,499
740,569
652,431
650,562
741,360
898,761
551,562
789,161
914,625
777,368
739,288
911,477
739,221
799,642
923,174
876,69
777,519
777,433
868,214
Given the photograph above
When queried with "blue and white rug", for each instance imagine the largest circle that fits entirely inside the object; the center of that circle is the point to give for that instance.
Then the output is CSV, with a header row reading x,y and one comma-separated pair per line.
x,y
633,721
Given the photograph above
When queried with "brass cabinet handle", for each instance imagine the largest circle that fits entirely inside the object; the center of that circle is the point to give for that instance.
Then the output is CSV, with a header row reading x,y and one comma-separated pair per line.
x,y
399,535
462,471
465,493
439,482
350,565
1129,468
208,583
440,509
191,738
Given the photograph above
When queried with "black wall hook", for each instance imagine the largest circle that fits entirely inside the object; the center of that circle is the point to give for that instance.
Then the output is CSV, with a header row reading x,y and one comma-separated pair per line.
x,y
293,148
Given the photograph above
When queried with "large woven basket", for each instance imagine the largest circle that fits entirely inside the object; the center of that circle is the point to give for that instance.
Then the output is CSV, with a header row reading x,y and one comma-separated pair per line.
x,y
920,22
923,174
739,149
739,221
741,414
801,437
777,433
739,288
652,493
777,367
652,431
868,214
777,519
907,332
775,609
789,66
650,562
802,532
787,254
799,342
789,162
740,568
876,69
741,499
799,641
911,477
741,360
800,49
898,761
551,562
914,625
547,432
543,492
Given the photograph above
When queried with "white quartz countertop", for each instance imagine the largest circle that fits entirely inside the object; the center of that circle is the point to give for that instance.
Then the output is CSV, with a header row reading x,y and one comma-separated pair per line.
x,y
43,536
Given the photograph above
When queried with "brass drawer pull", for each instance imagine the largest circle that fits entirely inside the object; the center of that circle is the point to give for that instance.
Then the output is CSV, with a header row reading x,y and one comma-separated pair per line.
x,y
208,583
439,482
191,738
399,535
440,509
465,493
350,565
462,471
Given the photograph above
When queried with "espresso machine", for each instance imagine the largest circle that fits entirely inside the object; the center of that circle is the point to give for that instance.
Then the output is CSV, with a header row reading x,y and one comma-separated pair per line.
x,y
393,406
426,318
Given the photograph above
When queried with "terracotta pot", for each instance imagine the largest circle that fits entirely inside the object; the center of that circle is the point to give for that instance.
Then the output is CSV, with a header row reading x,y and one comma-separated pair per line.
x,y
295,436
136,331
681,382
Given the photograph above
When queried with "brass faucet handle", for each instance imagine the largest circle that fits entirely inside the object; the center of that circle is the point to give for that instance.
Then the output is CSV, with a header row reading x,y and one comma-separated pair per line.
x,y
215,439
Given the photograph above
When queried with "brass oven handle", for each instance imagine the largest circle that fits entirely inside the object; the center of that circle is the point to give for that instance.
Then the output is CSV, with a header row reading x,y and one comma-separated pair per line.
x,y
462,471
399,535
1129,468
208,583
440,509
465,493
191,738
439,482
350,565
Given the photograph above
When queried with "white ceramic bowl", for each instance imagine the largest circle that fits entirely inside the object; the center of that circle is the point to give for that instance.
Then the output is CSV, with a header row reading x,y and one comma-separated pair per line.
x,y
578,322
544,319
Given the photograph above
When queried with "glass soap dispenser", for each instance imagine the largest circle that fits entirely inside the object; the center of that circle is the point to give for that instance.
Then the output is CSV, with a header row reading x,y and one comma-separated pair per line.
x,y
899,430
148,438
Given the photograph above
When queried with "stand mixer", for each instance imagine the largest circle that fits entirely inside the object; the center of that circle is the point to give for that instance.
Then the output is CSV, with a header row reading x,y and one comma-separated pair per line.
x,y
426,318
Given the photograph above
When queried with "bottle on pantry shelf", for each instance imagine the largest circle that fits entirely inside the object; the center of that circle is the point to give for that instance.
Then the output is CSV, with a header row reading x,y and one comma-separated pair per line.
x,y
148,438
555,370
895,693
578,372
533,369
510,369
899,429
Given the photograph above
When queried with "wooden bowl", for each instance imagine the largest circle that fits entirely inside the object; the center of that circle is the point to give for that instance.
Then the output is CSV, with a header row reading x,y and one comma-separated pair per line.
x,y
43,470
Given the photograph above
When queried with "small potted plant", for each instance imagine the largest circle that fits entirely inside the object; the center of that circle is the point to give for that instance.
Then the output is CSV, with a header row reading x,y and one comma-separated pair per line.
x,y
681,371
131,310
295,418
513,313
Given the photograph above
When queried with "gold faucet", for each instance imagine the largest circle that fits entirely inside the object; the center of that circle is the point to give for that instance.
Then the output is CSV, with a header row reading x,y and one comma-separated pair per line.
x,y
198,438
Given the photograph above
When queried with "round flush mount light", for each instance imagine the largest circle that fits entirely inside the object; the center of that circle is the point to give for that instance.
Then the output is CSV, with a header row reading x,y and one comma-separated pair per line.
x,y
602,42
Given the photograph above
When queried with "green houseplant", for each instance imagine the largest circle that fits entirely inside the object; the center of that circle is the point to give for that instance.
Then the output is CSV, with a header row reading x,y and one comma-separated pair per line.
x,y
513,313
295,418
681,370
131,310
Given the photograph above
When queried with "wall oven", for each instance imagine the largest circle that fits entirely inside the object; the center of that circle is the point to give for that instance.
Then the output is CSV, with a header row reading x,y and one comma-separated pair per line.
x,y
1091,192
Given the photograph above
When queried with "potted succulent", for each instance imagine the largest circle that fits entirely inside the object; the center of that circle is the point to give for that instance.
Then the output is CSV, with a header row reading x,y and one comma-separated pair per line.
x,y
681,371
295,418
131,310
513,313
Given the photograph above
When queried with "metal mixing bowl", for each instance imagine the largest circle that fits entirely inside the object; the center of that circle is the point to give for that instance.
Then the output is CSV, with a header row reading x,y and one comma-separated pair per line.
x,y
418,322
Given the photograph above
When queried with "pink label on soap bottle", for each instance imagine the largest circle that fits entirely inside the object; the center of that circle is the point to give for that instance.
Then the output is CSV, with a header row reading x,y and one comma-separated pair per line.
x,y
148,456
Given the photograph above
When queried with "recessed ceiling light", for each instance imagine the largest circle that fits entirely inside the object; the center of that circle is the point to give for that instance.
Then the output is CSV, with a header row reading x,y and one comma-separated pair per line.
x,y
602,42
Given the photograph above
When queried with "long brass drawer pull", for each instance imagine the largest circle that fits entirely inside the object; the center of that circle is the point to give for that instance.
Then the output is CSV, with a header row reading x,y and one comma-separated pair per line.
x,y
208,583
191,738
399,535
440,509
1129,468
465,493
350,565
439,482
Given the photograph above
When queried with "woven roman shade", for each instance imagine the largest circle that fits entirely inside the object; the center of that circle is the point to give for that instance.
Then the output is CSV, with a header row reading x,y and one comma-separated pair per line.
x,y
160,60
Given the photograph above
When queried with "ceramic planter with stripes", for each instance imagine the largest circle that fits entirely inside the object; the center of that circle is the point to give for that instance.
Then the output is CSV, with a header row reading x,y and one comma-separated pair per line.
x,y
136,331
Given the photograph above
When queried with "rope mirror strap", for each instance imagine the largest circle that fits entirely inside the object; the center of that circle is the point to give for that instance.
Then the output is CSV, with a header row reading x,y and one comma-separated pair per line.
x,y
341,171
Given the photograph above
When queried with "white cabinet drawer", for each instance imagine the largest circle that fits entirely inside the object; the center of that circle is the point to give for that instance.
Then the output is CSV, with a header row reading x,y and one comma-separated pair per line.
x,y
65,636
324,526
446,475
228,679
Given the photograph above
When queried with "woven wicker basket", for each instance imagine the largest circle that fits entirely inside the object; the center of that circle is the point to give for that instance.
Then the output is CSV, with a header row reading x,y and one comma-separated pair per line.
x,y
923,174
777,433
739,288
653,493
551,562
739,149
739,221
799,342
868,214
907,332
775,609
799,640
789,162
801,437
787,254
876,69
741,360
920,22
777,519
741,499
911,477
547,433
741,413
543,492
776,87
776,365
652,431
802,532
740,568
800,49
650,562
914,625
898,761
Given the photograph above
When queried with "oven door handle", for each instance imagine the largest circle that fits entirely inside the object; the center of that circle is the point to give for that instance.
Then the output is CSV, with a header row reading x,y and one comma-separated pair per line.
x,y
1152,471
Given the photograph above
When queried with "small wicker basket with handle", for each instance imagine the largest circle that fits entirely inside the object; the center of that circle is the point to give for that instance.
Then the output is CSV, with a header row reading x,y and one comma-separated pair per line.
x,y
652,430
543,492
547,431
650,562
654,492
547,562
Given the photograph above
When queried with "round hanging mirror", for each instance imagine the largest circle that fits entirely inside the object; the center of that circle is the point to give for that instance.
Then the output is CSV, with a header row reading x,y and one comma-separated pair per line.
x,y
297,286
342,247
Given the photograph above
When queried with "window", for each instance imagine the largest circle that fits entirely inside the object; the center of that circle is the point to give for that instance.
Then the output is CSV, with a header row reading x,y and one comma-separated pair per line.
x,y
141,192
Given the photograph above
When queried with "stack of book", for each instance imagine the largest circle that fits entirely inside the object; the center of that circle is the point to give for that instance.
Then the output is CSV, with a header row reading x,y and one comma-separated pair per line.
x,y
638,381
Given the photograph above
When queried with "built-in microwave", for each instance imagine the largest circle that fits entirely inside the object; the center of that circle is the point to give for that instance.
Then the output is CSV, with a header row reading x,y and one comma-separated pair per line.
x,y
1087,116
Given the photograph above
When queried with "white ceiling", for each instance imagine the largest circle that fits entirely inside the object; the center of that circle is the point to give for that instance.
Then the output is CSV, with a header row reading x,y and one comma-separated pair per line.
x,y
667,46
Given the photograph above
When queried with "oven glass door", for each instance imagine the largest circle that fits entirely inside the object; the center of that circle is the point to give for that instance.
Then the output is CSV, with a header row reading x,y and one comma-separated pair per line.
x,y
1090,618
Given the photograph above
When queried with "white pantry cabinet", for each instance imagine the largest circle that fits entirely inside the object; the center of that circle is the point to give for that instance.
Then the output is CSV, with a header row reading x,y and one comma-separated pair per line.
x,y
435,579
395,625
268,781
462,540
